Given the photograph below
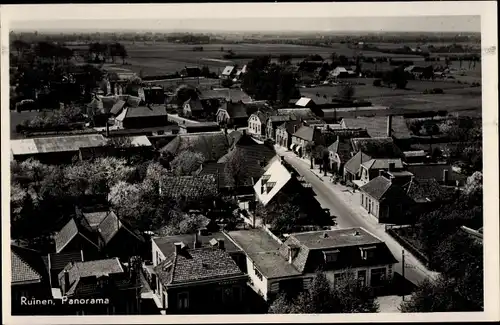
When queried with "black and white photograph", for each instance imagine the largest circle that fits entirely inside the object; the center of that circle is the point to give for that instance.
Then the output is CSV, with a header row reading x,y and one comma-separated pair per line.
x,y
234,161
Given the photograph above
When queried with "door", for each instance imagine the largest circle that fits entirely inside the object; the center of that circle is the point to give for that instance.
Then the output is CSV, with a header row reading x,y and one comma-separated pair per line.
x,y
362,278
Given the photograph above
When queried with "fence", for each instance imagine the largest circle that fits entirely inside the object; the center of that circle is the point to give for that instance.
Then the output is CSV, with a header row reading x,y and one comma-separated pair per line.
x,y
391,230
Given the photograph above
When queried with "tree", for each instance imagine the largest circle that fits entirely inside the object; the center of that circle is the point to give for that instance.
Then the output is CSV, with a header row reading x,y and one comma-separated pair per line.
x,y
20,46
396,77
187,163
348,296
236,168
474,184
226,83
285,59
346,91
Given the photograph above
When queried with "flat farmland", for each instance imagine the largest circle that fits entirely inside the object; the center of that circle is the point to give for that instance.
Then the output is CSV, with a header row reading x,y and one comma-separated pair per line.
x,y
166,58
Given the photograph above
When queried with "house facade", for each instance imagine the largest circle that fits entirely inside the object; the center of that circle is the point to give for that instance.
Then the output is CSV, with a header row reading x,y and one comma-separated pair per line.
x,y
193,108
206,278
384,199
304,137
371,168
291,266
285,131
114,288
257,125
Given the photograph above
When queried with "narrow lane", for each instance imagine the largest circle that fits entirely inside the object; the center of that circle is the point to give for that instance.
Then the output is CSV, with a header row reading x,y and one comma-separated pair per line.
x,y
347,217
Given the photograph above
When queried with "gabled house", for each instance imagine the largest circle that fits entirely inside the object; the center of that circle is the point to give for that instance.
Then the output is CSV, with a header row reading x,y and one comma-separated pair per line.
x,y
280,184
197,279
257,124
213,145
244,164
193,108
275,267
235,114
29,280
111,287
371,168
285,131
305,136
55,263
99,233
274,121
341,150
390,195
305,102
366,149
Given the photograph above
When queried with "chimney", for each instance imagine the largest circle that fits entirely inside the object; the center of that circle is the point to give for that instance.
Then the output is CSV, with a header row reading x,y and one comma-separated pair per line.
x,y
65,285
392,166
381,172
178,248
338,138
445,176
220,244
244,131
389,126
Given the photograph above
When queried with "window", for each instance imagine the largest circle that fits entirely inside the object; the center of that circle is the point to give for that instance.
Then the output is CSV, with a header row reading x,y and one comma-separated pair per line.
x,y
337,278
330,256
367,253
362,199
275,287
377,277
183,300
306,283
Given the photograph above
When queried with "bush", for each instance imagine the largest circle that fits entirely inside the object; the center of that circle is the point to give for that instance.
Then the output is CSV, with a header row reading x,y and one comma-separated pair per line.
x,y
437,91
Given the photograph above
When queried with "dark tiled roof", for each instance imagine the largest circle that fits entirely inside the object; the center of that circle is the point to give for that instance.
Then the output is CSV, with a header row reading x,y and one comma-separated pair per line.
x,y
236,110
424,190
71,230
377,147
290,126
280,118
296,112
190,187
305,132
213,145
219,169
110,226
166,244
58,261
353,164
383,163
343,148
377,187
95,218
347,241
26,265
263,251
253,155
197,264
83,275
428,171
377,126
145,111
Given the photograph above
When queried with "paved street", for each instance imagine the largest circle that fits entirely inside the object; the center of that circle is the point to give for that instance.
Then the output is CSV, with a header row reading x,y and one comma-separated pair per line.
x,y
348,213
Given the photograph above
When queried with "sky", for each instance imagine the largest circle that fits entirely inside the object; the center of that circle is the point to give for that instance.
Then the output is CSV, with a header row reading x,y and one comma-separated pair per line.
x,y
339,24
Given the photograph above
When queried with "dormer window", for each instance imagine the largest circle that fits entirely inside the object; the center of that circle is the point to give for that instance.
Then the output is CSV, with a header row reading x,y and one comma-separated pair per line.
x,y
367,253
270,186
331,256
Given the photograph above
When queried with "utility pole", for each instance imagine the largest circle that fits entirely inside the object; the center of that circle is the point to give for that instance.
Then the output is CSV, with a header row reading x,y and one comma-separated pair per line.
x,y
403,272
